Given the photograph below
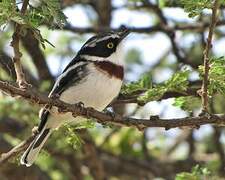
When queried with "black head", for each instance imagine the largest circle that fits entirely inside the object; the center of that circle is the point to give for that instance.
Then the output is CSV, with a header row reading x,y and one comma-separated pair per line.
x,y
104,44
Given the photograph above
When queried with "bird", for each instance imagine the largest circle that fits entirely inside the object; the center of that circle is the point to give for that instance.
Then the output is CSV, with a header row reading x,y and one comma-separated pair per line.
x,y
93,77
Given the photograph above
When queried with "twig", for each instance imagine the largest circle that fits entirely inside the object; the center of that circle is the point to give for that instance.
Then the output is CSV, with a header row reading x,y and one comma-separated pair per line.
x,y
204,92
17,54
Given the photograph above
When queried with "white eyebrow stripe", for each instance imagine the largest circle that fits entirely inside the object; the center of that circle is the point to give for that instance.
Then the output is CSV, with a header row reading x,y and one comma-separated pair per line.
x,y
108,37
93,43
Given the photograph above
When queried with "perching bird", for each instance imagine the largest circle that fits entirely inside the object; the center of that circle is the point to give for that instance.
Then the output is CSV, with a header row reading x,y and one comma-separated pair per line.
x,y
94,77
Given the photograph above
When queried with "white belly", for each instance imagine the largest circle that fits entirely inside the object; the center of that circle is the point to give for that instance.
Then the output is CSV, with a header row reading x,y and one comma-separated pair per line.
x,y
97,91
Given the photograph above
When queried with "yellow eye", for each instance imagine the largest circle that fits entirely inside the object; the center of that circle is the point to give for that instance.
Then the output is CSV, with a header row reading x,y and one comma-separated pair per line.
x,y
110,45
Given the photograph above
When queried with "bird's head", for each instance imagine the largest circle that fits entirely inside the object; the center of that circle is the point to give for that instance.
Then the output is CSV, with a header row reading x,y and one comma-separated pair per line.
x,y
104,46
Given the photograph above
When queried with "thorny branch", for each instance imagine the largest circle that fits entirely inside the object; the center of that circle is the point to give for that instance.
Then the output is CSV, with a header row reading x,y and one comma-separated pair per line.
x,y
17,54
77,110
208,46
37,98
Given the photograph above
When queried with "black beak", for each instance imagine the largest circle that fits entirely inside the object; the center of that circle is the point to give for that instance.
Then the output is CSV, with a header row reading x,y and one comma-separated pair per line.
x,y
123,32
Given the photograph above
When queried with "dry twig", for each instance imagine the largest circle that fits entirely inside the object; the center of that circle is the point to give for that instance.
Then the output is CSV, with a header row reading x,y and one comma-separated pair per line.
x,y
204,92
17,54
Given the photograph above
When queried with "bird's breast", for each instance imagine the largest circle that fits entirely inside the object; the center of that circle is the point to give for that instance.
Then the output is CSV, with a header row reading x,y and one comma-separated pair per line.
x,y
96,90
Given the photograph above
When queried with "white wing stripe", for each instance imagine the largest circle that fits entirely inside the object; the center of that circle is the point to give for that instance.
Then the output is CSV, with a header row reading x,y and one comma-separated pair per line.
x,y
65,74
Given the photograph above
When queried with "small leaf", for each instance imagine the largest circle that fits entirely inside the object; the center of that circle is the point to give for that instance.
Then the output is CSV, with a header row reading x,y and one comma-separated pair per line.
x,y
142,85
187,103
194,8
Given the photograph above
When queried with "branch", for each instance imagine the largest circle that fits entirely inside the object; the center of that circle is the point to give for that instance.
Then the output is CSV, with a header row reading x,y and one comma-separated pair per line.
x,y
77,110
34,97
208,47
103,29
197,27
16,49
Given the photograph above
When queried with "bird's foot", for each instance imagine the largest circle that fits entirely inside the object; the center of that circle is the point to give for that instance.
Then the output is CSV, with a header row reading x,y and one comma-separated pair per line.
x,y
35,130
110,113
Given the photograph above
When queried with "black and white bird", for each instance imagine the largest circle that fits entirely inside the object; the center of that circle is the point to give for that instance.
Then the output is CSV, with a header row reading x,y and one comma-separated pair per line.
x,y
94,77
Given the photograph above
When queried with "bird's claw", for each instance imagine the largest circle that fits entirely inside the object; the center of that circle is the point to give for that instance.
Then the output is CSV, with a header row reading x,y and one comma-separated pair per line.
x,y
55,96
110,113
23,84
80,104
205,114
35,130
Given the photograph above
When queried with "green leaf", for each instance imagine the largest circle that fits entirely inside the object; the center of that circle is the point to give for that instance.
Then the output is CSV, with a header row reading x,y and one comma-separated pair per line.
x,y
8,12
162,3
47,12
216,76
142,85
72,137
187,103
195,7
152,94
197,173
178,83
185,176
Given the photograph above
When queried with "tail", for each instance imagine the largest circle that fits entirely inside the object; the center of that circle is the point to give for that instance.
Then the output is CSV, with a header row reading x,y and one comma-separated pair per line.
x,y
35,146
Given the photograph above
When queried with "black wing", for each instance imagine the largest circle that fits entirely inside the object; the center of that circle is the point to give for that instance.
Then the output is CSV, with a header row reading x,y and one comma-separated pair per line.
x,y
73,62
72,74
